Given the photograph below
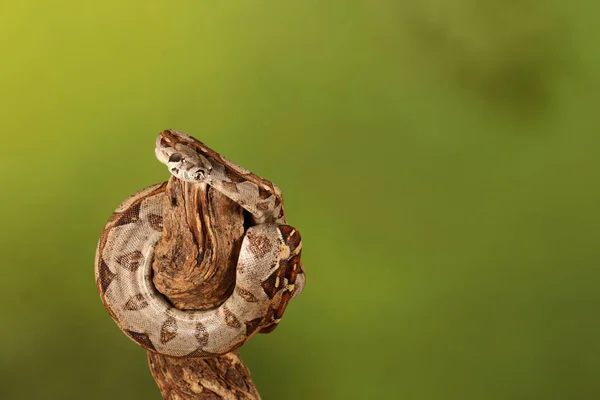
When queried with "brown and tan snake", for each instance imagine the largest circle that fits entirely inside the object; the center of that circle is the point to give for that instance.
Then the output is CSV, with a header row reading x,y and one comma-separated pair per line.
x,y
269,272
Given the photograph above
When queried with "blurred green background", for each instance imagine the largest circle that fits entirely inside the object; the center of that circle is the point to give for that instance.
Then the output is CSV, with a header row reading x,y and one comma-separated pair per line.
x,y
441,160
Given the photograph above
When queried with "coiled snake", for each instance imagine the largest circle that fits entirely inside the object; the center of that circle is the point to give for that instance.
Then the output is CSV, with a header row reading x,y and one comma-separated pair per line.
x,y
269,272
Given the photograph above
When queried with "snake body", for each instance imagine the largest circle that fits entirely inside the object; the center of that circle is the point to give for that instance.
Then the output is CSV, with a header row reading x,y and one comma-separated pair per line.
x,y
269,271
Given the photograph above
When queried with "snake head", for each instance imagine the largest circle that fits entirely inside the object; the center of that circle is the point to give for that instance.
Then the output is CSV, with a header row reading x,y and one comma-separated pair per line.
x,y
181,153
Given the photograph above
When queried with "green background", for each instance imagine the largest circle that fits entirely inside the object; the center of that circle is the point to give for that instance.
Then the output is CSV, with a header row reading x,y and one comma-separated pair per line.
x,y
441,159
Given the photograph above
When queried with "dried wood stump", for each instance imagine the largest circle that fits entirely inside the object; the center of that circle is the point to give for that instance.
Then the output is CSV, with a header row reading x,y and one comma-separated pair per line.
x,y
194,268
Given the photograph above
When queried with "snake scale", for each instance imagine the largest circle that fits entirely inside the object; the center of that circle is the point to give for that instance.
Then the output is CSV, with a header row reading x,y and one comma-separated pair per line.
x,y
269,271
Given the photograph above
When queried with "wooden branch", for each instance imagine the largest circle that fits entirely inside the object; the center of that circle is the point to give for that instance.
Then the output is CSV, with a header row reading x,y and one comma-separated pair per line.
x,y
217,378
194,267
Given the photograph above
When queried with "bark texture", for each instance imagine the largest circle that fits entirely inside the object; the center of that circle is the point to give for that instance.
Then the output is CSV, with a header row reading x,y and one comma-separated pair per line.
x,y
194,267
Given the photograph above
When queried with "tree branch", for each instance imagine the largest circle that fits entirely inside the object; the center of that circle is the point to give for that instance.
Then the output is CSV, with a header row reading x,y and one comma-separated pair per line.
x,y
194,267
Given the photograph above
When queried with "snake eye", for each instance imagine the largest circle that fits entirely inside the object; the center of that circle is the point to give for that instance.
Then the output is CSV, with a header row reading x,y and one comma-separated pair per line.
x,y
176,157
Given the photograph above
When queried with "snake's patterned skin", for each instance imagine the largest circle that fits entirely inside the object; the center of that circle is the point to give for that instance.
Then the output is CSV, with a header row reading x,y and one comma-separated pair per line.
x,y
269,272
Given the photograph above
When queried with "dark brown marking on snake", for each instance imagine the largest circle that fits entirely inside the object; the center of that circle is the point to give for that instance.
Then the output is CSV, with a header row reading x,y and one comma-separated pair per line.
x,y
277,201
285,299
141,338
231,186
272,284
259,245
105,275
233,175
131,261
286,232
136,302
291,236
252,325
281,213
263,205
295,260
263,193
156,222
292,273
129,216
231,319
246,295
201,334
269,328
168,331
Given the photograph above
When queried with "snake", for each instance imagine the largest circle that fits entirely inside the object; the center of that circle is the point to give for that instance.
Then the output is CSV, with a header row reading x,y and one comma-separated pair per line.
x,y
269,271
